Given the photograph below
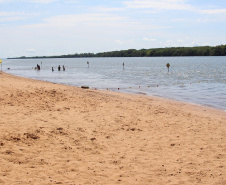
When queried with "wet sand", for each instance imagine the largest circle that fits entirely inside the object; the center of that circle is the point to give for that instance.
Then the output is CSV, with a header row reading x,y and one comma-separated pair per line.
x,y
57,134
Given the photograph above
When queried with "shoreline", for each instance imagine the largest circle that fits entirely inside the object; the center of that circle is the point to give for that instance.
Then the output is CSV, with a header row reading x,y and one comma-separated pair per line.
x,y
129,93
58,134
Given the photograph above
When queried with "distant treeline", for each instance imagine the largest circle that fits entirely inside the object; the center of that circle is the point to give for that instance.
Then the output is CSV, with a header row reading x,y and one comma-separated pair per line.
x,y
158,52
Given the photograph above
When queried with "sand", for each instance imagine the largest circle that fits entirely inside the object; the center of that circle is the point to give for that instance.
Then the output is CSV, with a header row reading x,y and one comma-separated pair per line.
x,y
57,134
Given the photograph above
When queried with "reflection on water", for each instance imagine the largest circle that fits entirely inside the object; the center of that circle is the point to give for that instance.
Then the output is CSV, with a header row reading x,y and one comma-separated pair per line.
x,y
200,80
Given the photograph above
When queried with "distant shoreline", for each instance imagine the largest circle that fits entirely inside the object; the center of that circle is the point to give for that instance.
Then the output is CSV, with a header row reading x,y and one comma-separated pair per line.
x,y
154,52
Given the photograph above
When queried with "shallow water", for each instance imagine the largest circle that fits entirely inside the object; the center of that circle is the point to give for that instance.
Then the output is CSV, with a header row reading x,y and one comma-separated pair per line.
x,y
199,80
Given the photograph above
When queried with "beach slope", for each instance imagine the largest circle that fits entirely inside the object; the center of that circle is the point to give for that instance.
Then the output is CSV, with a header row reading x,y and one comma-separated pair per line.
x,y
57,134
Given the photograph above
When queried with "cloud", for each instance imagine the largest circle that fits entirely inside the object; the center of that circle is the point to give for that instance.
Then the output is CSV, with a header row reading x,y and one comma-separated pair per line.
x,y
179,20
107,9
95,23
70,20
174,43
158,4
31,50
71,1
11,13
169,41
15,16
40,1
28,1
81,19
10,19
213,11
203,20
2,14
169,5
119,41
196,43
147,39
180,41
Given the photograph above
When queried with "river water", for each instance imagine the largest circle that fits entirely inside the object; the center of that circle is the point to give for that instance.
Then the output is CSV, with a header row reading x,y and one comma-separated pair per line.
x,y
198,80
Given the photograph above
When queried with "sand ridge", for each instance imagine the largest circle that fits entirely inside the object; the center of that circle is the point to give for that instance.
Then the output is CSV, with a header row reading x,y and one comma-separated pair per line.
x,y
57,134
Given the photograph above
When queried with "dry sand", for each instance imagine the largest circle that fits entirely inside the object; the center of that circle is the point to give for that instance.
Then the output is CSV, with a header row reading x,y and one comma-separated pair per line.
x,y
56,134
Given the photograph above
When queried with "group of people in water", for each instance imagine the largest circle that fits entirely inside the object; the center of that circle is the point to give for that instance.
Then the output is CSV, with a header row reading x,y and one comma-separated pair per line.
x,y
59,68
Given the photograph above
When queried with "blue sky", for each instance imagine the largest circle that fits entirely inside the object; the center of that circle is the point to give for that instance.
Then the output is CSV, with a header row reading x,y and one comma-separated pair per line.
x,y
55,27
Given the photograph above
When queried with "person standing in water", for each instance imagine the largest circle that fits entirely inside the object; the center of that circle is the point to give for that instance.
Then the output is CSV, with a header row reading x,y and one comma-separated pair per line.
x,y
59,68
38,67
52,69
63,68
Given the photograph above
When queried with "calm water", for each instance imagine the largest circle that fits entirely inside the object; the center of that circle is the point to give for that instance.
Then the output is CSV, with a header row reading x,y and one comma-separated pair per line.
x,y
199,80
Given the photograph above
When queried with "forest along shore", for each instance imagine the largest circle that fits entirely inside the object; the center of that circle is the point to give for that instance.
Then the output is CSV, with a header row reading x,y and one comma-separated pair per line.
x,y
57,134
154,52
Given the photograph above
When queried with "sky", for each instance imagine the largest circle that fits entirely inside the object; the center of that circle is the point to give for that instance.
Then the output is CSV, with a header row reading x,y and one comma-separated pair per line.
x,y
59,27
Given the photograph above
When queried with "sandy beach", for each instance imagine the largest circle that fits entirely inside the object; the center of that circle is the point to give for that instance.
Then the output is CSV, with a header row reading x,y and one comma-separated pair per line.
x,y
57,134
